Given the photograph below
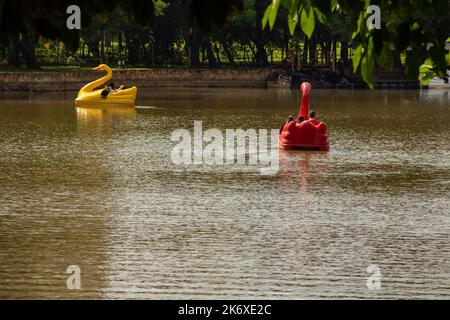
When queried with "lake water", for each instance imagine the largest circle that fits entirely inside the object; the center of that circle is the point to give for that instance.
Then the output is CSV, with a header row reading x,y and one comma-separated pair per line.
x,y
97,189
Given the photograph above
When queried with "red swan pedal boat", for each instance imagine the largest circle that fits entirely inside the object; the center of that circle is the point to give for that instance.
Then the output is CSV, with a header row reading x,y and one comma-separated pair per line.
x,y
309,134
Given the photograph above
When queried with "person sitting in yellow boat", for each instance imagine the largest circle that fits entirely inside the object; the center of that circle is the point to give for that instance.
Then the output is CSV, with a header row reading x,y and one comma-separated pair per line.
x,y
111,88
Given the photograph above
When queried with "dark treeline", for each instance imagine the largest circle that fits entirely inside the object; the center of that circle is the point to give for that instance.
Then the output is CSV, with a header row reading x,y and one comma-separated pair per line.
x,y
183,35
175,41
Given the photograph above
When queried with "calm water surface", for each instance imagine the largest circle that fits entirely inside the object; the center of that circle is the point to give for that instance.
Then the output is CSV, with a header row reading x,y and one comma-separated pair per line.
x,y
97,189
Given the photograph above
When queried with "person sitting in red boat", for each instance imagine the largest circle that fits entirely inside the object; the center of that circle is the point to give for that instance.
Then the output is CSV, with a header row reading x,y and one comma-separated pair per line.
x,y
289,119
300,119
312,118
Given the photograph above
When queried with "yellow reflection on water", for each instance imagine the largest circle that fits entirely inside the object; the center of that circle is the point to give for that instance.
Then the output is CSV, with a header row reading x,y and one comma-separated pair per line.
x,y
95,115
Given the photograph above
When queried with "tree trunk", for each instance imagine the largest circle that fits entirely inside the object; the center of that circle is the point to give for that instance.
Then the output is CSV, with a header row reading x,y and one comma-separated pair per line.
x,y
286,39
334,56
22,50
210,53
244,50
153,54
102,48
203,55
254,53
29,53
344,52
217,51
120,43
261,53
305,51
312,51
228,52
194,49
14,50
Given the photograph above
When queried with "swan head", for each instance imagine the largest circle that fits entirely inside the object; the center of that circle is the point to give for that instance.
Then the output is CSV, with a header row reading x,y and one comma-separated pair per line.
x,y
102,67
305,88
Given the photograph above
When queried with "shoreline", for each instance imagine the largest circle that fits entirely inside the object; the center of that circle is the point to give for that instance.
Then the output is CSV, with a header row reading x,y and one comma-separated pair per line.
x,y
48,81
246,77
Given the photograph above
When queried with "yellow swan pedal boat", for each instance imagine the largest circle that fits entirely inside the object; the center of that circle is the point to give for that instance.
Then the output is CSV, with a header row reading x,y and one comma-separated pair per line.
x,y
89,97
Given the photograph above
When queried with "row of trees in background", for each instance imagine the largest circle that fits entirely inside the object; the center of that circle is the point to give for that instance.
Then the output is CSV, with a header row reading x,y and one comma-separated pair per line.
x,y
174,41
145,33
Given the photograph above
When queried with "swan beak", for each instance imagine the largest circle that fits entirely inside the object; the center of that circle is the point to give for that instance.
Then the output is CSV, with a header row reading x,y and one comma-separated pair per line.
x,y
96,68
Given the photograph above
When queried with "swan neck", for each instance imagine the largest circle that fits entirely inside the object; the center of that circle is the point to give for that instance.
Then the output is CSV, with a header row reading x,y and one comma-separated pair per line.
x,y
97,83
304,107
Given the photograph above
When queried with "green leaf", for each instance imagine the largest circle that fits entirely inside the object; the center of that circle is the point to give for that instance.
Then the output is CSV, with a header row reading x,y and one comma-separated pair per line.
x,y
415,26
370,45
386,59
368,63
357,57
367,69
426,77
292,22
426,66
334,5
293,16
319,15
307,22
44,42
359,24
270,15
287,4
265,18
